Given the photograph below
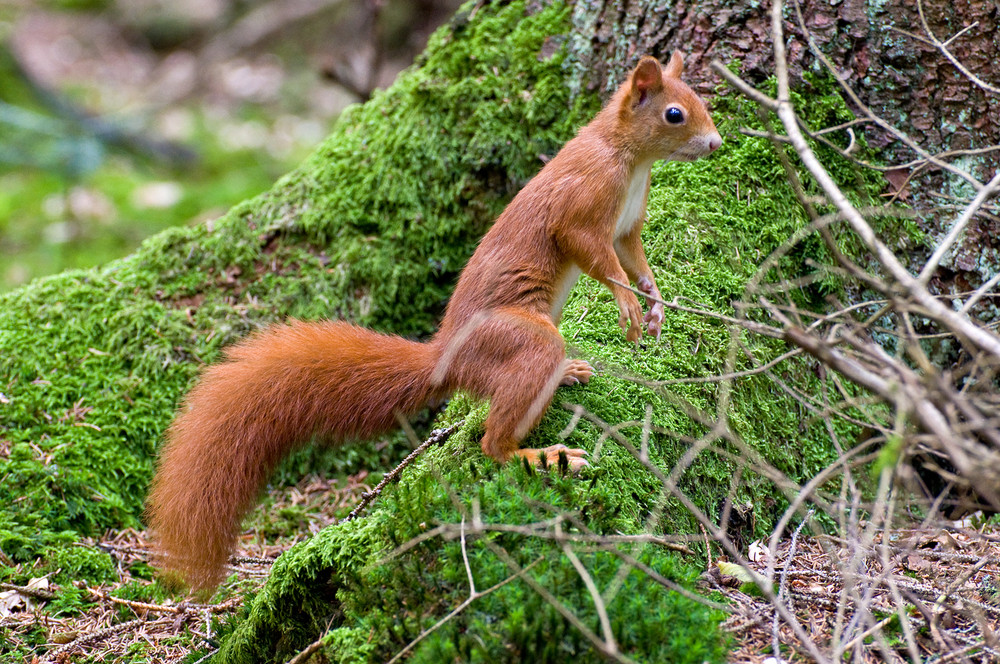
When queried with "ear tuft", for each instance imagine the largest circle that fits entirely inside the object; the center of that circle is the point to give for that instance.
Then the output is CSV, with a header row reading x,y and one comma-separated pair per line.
x,y
675,66
646,77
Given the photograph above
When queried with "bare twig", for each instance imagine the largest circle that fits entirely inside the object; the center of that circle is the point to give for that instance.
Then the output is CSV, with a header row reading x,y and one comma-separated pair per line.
x,y
437,436
473,596
943,47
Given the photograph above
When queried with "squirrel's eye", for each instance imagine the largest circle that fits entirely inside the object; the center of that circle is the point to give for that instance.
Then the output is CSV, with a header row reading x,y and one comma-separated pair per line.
x,y
674,115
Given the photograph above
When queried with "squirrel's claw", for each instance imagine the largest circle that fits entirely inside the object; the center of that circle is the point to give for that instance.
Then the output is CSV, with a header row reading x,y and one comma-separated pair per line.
x,y
551,457
654,320
576,371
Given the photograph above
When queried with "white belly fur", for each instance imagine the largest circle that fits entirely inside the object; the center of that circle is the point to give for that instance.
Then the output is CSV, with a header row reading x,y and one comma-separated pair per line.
x,y
635,196
563,288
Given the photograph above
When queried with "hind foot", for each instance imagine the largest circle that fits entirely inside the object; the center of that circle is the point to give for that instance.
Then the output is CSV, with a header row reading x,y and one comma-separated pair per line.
x,y
549,457
576,371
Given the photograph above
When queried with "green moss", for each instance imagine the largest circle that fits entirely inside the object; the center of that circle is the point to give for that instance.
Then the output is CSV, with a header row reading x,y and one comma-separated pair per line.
x,y
711,225
75,562
415,177
374,227
373,606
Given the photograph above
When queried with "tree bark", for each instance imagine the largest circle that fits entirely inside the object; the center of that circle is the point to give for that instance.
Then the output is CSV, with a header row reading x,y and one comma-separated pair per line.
x,y
884,51
881,48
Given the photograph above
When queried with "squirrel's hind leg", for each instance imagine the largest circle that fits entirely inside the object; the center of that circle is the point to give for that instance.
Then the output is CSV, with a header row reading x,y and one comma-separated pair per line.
x,y
576,371
517,359
553,455
519,405
521,384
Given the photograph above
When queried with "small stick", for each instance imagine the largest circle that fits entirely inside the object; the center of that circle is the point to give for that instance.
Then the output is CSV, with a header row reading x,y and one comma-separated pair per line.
x,y
437,436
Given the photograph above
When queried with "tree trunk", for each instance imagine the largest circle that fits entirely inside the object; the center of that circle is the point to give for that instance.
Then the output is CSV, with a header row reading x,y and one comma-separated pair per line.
x,y
880,48
884,51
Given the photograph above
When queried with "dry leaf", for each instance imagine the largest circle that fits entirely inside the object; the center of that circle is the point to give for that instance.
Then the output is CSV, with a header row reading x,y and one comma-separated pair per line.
x,y
738,571
757,552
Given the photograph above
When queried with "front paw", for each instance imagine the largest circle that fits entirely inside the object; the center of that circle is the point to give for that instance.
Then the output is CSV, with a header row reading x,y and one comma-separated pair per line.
x,y
646,285
630,318
654,320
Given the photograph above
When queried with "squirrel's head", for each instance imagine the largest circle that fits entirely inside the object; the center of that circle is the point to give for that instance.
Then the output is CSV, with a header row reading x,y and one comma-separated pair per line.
x,y
661,117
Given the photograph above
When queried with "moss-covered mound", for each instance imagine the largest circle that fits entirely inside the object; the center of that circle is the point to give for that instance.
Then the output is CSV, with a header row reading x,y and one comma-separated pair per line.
x,y
705,242
373,607
374,227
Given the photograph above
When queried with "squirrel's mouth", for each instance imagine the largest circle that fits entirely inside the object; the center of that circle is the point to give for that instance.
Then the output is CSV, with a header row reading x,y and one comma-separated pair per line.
x,y
692,153
697,148
687,155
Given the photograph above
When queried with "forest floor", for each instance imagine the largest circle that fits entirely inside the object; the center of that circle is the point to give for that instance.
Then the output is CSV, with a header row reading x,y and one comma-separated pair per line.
x,y
123,621
929,594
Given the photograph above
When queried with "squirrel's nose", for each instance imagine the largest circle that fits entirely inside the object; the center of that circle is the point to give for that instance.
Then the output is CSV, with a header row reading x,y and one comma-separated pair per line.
x,y
714,141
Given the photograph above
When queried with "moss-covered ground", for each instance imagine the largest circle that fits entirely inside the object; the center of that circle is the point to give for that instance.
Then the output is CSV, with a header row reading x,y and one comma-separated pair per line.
x,y
374,227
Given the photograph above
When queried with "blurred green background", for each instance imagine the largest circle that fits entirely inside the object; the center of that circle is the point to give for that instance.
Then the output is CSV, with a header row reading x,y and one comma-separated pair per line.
x,y
119,118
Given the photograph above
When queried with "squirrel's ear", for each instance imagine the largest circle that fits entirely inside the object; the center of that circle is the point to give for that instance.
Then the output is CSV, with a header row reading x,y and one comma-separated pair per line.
x,y
647,77
675,66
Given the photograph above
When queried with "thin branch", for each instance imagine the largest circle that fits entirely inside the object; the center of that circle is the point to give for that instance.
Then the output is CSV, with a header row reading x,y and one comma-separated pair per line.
x,y
437,436
473,596
602,611
943,47
984,194
781,71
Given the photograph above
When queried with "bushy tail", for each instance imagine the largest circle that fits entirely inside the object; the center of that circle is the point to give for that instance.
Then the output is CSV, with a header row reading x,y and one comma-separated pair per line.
x,y
274,391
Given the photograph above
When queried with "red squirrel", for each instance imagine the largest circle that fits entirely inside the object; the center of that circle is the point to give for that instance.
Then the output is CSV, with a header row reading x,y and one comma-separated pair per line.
x,y
289,383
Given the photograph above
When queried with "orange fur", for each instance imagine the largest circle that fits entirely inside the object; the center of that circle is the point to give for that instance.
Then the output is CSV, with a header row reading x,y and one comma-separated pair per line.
x,y
281,387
